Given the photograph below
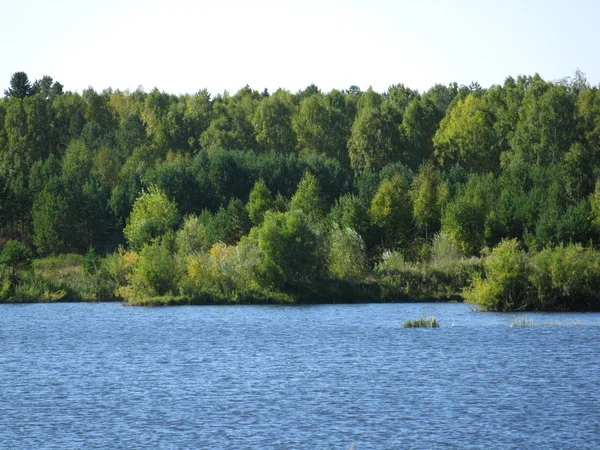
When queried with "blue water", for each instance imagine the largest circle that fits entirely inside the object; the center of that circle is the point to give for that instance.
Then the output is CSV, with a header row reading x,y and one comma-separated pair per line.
x,y
311,377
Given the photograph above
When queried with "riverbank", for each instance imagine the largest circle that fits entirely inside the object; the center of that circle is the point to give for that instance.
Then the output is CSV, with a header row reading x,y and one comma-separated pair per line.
x,y
563,278
66,278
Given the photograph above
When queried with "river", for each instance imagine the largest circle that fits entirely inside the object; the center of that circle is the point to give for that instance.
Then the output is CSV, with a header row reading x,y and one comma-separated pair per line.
x,y
306,377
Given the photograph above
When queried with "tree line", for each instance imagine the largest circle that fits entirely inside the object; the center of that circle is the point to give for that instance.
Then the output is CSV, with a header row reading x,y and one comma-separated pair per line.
x,y
395,174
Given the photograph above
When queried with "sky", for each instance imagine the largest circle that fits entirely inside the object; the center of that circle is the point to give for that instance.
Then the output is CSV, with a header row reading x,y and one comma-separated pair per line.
x,y
183,46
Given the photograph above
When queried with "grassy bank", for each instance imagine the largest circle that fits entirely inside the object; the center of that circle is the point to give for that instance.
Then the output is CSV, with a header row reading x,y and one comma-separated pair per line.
x,y
74,278
61,278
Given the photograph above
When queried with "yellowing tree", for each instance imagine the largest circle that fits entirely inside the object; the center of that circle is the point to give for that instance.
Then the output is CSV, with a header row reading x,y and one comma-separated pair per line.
x,y
467,137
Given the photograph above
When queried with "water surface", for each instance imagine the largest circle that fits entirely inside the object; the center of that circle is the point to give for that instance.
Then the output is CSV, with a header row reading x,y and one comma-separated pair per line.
x,y
108,376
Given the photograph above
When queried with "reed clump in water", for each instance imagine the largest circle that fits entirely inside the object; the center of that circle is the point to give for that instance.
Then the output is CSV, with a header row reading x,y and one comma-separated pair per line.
x,y
522,321
423,322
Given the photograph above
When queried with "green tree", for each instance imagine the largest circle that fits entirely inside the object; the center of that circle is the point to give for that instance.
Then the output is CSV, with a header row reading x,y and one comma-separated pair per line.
x,y
588,116
595,205
77,163
231,125
466,136
505,286
289,248
546,127
419,124
231,222
390,211
52,223
152,211
259,203
350,212
16,257
47,87
323,126
347,257
370,146
20,86
309,199
194,236
465,218
273,123
429,195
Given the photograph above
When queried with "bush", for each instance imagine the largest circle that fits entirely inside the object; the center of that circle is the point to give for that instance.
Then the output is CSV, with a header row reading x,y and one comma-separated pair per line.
x,y
91,263
290,250
153,214
346,259
15,257
566,278
505,286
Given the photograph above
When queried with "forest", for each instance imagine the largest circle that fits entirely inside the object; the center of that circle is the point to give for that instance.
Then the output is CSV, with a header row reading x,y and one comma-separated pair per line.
x,y
491,196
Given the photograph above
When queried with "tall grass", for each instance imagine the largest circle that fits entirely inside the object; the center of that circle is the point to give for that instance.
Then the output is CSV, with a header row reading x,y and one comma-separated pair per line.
x,y
423,322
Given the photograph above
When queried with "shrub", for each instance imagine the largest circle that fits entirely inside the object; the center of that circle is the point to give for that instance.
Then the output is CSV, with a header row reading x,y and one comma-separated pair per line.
x,y
346,259
91,263
16,257
289,248
505,286
153,214
566,277
155,272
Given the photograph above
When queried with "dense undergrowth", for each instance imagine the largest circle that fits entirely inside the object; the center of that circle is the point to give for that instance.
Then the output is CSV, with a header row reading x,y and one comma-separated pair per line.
x,y
563,278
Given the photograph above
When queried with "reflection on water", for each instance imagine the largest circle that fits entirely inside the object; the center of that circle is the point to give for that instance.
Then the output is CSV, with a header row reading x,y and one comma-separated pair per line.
x,y
103,375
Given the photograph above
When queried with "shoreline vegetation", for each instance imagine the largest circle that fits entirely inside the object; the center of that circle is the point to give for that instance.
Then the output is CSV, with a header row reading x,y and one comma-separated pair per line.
x,y
460,193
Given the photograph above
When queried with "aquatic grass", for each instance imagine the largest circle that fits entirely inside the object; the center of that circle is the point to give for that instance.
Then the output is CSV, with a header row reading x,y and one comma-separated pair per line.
x,y
522,321
423,322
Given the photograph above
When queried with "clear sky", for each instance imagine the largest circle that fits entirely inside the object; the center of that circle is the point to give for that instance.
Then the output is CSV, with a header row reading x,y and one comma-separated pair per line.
x,y
182,46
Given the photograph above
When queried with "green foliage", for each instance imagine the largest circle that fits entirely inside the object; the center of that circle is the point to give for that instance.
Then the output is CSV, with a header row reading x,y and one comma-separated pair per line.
x,y
429,195
546,128
15,257
595,205
20,86
231,223
505,286
153,215
347,258
391,262
51,225
77,169
91,263
371,142
64,278
465,218
566,277
259,203
193,236
77,162
350,212
419,124
322,125
273,123
308,198
289,249
442,249
466,136
390,211
522,321
155,272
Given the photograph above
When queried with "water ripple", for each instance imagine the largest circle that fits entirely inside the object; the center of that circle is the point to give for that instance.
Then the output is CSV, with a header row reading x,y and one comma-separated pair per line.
x,y
105,376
